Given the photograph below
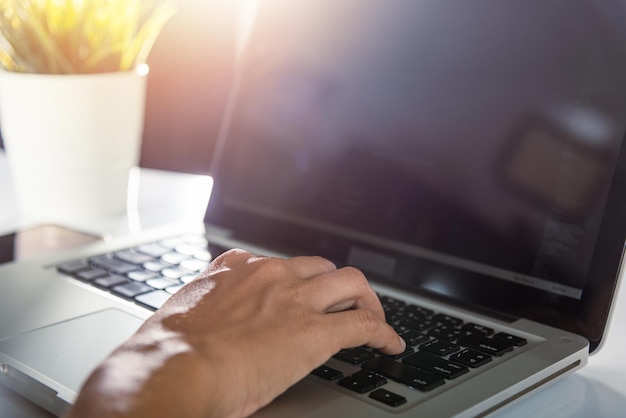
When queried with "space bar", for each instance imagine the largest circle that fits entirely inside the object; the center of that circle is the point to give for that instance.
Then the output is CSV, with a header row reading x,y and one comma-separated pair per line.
x,y
403,373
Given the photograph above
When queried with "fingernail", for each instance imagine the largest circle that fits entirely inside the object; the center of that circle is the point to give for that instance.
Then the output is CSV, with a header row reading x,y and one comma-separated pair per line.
x,y
403,343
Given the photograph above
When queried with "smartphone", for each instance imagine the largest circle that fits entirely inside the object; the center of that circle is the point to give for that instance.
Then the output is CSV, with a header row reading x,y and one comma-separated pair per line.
x,y
41,240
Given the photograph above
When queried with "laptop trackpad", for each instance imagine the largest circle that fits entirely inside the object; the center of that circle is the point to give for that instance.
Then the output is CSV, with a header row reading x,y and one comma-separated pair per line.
x,y
67,352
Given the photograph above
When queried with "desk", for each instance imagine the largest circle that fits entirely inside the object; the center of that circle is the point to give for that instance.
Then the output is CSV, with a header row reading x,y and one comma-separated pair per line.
x,y
599,389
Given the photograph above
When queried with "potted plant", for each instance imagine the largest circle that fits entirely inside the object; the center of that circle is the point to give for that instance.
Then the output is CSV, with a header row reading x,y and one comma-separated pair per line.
x,y
72,93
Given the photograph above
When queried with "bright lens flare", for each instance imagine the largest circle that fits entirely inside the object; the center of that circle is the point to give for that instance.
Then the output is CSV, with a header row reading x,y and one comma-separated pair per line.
x,y
247,15
143,69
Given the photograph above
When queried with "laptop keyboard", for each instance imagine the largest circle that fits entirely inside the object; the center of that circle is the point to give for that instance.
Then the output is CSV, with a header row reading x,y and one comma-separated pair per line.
x,y
147,274
440,347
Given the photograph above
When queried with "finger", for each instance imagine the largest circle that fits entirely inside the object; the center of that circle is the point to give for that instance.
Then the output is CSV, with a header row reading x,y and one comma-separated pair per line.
x,y
357,327
310,266
302,267
230,259
343,289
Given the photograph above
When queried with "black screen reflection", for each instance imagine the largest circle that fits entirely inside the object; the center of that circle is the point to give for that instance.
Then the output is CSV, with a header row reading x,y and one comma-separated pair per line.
x,y
477,130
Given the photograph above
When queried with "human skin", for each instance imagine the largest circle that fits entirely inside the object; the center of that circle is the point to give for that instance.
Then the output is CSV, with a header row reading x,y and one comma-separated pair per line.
x,y
235,338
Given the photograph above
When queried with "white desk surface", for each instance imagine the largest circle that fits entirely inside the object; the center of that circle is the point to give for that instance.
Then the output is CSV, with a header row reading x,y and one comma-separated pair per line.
x,y
598,390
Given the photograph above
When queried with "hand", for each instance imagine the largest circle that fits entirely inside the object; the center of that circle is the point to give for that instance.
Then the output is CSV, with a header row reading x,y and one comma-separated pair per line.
x,y
238,336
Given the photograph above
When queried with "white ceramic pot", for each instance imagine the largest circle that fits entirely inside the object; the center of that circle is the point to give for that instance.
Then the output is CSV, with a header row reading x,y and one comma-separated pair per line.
x,y
71,141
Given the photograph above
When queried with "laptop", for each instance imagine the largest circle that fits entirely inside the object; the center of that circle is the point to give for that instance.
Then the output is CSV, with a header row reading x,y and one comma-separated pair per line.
x,y
466,157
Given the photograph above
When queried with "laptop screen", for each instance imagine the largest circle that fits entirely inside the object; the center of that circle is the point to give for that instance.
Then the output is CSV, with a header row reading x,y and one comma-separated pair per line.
x,y
468,150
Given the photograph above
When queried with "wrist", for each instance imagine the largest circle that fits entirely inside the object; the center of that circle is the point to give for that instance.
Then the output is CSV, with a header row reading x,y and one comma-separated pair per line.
x,y
162,377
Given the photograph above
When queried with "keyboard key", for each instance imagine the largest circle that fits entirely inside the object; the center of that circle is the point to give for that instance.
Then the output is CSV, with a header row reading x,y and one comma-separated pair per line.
x,y
155,266
371,376
354,355
388,398
189,249
73,267
477,329
408,350
418,323
160,283
327,373
172,242
204,255
362,381
141,276
445,332
516,341
413,337
91,274
394,318
198,240
133,257
390,303
155,250
491,346
403,373
174,258
194,264
188,278
153,300
173,289
447,320
112,264
471,358
418,310
173,273
131,289
440,347
110,281
434,364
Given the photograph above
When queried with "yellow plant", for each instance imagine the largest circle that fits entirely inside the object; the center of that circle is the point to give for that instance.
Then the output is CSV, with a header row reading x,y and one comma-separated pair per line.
x,y
79,36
